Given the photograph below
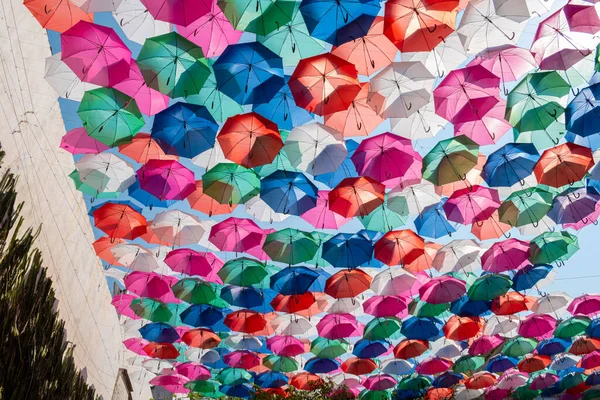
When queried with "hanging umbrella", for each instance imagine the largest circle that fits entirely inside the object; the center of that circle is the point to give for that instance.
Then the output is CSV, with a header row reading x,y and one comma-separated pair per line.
x,y
489,286
339,326
386,328
288,192
490,228
443,289
293,280
236,234
63,80
104,173
166,179
573,326
346,250
321,365
290,246
533,362
574,207
348,284
527,206
179,12
356,197
585,305
413,199
119,221
172,383
530,276
208,388
152,285
450,160
581,114
424,261
563,165
243,272
110,116
260,18
471,205
262,212
159,332
150,309
202,202
143,148
77,141
136,22
512,303
386,306
383,219
510,164
480,380
191,262
280,363
468,363
328,348
249,73
230,183
148,100
510,254
305,381
285,345
424,328
458,255
246,321
177,228
408,348
393,282
537,326
553,246
399,247
57,15
321,217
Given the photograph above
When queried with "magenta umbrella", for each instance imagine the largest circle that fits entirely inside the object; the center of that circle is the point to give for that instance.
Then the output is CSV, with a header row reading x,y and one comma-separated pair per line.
x,y
172,383
543,381
136,344
588,304
386,306
287,346
193,371
339,326
236,234
153,285
472,204
537,326
212,32
78,141
95,54
122,302
466,93
379,382
510,254
194,263
148,100
321,217
488,128
166,179
178,12
258,251
442,289
484,344
434,365
389,159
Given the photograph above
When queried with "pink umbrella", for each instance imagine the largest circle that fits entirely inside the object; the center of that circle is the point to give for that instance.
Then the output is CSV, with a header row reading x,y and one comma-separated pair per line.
x,y
442,289
321,217
544,380
472,204
512,379
484,344
148,100
590,360
192,262
122,302
193,371
166,179
172,383
242,359
258,251
212,32
236,234
389,159
466,93
434,365
379,382
488,128
95,54
506,255
136,345
588,304
178,12
153,285
537,326
287,346
338,326
386,306
78,141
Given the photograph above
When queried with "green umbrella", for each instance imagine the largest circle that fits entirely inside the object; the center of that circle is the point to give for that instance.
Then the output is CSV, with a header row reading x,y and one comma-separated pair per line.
x,y
290,246
571,327
233,376
328,348
552,246
374,395
320,238
450,160
383,328
489,286
571,380
519,346
527,206
535,106
258,16
209,388
243,272
89,190
591,394
280,363
420,308
414,382
151,309
292,42
230,183
383,219
524,393
196,291
218,104
173,65
110,116
467,363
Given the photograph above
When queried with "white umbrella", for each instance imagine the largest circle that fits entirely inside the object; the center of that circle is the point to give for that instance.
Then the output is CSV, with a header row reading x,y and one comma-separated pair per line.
x,y
137,23
210,157
315,148
458,256
344,306
449,350
554,303
201,356
564,361
443,58
422,124
242,341
156,366
261,211
397,367
416,197
512,381
393,281
105,172
462,393
63,80
292,326
502,325
177,228
400,89
94,6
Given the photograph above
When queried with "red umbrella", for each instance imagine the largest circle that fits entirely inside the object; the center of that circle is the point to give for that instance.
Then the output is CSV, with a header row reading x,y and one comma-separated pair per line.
x,y
305,381
462,328
563,165
511,303
480,380
347,284
358,366
245,321
584,345
250,140
399,247
57,15
410,348
533,362
324,84
293,303
143,148
202,338
165,351
119,221
103,247
356,197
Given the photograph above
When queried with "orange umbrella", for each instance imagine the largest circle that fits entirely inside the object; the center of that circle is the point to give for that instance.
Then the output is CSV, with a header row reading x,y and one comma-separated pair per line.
x,y
359,366
201,338
102,248
250,140
423,262
462,328
439,394
57,15
143,148
399,247
480,380
305,381
563,165
206,204
412,26
369,53
164,351
324,84
533,362
359,119
584,345
347,284
490,228
293,303
119,221
410,348
511,303
356,197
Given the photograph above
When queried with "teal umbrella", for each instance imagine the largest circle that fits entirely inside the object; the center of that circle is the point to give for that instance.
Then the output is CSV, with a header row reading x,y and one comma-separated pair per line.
x,y
290,246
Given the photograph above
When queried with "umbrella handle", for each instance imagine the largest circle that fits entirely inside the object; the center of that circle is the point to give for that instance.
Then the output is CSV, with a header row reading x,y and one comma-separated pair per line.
x,y
434,28
359,125
574,92
346,17
505,91
522,182
479,223
528,194
576,195
595,222
293,47
556,140
535,224
428,129
373,63
553,229
409,106
507,236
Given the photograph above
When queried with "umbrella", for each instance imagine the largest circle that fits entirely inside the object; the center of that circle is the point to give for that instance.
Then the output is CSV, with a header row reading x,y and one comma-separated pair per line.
x,y
585,305
159,332
293,280
150,309
246,321
424,328
63,80
328,348
177,228
360,119
383,328
553,246
393,282
208,388
527,206
282,109
574,206
305,381
321,365
290,246
356,197
172,383
383,219
77,141
104,173
563,165
386,306
280,363
166,179
243,272
510,254
537,326
468,307
236,234
399,247
119,221
489,286
339,326
200,201
468,363
530,276
346,250
288,192
348,284
285,345
458,255
358,366
533,362
408,348
191,262
143,148
510,164
148,100
321,217
413,199
432,222
450,160
573,326
370,348
196,291
58,15
471,205
511,303
180,12
581,114
260,18
230,183
443,289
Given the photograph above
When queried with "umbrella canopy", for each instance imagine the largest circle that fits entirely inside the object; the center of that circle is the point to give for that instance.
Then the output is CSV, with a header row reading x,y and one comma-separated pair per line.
x,y
260,18
399,247
321,217
346,250
288,192
230,183
510,164
119,221
450,160
290,246
348,284
356,197
552,247
443,289
527,206
166,179
58,15
471,205
180,12
282,109
563,165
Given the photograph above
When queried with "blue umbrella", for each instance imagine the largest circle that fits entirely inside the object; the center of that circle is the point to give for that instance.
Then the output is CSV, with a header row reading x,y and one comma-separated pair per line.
x,y
270,380
321,365
346,169
247,297
319,284
593,379
500,363
242,391
348,250
552,391
447,379
249,73
288,192
205,315
147,199
159,332
365,348
510,164
184,130
282,109
373,237
432,222
424,328
528,276
552,346
465,307
337,22
593,329
582,115
293,280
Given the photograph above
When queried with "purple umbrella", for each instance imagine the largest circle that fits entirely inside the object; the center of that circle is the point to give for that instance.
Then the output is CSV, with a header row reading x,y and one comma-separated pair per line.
x,y
574,206
166,179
